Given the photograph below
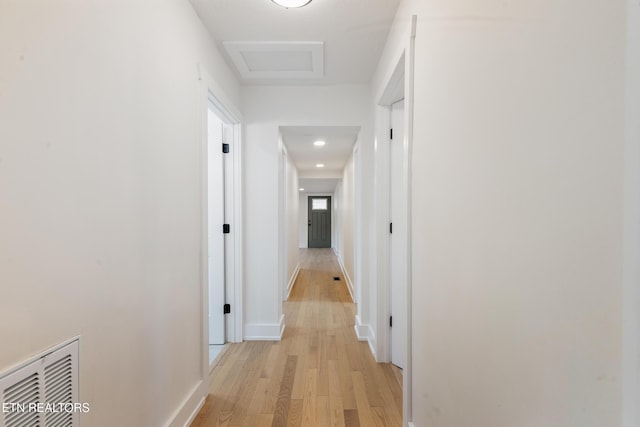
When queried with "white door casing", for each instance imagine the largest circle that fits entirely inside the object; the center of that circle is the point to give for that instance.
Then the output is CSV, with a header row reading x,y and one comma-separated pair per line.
x,y
213,98
216,219
397,253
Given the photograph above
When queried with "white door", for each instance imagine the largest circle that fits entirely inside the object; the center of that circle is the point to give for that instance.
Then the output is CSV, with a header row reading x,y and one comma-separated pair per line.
x,y
216,215
398,237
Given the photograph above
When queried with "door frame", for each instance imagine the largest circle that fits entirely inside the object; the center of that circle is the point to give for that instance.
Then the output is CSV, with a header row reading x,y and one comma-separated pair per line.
x,y
400,81
631,254
217,247
211,92
400,231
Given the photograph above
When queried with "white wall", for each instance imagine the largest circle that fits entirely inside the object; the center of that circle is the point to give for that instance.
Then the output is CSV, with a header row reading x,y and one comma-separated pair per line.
x,y
100,187
517,211
265,109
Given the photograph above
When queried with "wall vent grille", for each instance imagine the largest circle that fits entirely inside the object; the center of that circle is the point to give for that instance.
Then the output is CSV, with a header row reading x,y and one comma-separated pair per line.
x,y
49,380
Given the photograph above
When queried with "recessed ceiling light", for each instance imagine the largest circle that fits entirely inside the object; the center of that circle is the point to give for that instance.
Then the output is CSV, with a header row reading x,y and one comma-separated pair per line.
x,y
302,189
319,143
319,165
291,3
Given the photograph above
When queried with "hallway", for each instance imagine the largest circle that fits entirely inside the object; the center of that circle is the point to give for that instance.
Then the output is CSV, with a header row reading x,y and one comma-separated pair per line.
x,y
319,374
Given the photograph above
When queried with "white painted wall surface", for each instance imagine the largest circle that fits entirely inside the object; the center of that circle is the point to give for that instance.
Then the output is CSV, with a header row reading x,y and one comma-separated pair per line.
x,y
100,188
265,108
517,208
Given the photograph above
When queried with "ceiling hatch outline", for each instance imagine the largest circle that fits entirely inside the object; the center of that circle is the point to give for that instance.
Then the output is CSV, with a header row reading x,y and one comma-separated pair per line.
x,y
277,60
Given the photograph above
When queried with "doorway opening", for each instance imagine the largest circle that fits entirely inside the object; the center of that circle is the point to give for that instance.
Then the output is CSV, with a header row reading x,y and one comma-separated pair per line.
x,y
218,225
221,240
394,213
394,255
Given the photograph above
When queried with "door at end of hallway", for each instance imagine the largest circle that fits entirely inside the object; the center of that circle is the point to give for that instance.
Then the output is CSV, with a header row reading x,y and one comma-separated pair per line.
x,y
319,222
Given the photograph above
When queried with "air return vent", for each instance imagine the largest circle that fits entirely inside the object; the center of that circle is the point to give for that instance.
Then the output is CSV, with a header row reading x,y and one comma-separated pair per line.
x,y
42,392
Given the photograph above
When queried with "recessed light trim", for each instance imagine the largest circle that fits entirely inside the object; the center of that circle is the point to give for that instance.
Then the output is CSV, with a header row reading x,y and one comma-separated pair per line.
x,y
291,3
319,143
320,165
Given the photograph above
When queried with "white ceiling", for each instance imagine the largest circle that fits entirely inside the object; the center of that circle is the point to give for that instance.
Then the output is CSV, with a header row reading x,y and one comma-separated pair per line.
x,y
339,145
353,33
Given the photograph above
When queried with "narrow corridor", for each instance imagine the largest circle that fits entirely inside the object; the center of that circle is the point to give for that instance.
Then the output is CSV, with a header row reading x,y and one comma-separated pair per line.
x,y
318,375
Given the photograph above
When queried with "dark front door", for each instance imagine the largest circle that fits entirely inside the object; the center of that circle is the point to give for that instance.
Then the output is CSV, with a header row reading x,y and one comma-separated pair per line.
x,y
320,222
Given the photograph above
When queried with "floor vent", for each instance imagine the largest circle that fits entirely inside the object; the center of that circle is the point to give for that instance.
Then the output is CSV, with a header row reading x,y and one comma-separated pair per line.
x,y
43,392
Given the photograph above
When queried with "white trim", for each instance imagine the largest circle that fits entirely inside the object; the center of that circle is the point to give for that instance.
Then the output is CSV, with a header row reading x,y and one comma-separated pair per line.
x,y
190,406
231,111
292,280
411,424
365,333
347,279
631,235
237,309
211,92
407,382
388,90
264,331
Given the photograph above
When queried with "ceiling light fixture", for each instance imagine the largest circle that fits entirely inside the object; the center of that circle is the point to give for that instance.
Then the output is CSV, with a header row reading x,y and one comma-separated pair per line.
x,y
319,143
291,3
319,165
302,189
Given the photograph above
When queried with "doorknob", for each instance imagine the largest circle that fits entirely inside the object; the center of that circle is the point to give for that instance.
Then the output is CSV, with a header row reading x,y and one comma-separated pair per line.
x,y
309,223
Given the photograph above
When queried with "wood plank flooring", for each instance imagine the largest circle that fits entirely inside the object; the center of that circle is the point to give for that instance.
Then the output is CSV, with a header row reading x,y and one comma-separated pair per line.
x,y
318,375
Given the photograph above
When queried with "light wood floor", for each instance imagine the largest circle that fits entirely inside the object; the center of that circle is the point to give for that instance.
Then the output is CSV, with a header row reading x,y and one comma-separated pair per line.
x,y
318,375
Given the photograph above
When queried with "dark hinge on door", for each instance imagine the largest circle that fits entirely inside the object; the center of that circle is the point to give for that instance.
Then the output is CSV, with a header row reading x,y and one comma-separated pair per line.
x,y
390,133
391,228
225,148
391,321
226,228
227,309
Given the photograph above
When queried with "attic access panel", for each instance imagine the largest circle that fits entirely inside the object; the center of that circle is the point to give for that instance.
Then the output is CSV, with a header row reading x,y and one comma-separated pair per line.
x,y
277,60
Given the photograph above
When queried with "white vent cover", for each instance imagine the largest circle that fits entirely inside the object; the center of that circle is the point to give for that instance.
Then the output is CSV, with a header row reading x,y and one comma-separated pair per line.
x,y
43,392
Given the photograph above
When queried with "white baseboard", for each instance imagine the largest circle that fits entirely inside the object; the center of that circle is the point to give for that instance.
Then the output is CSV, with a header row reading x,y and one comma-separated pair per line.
x,y
292,280
365,333
362,331
346,276
264,331
190,406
